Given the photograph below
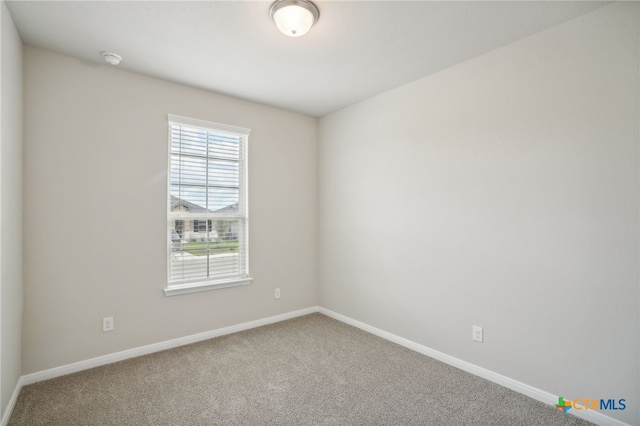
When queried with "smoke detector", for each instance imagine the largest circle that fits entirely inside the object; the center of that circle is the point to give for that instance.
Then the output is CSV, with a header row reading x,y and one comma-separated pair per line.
x,y
112,58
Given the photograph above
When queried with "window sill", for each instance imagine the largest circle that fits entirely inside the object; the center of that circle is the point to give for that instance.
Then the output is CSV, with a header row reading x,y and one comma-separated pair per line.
x,y
205,286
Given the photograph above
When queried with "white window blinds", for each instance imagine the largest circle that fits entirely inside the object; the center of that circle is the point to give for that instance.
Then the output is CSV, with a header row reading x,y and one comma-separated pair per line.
x,y
207,211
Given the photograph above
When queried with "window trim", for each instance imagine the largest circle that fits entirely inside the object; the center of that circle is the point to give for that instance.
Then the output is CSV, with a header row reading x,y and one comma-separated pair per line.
x,y
204,124
217,283
174,290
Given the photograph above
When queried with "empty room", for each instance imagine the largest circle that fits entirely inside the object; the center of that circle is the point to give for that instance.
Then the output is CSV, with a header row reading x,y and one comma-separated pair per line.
x,y
320,213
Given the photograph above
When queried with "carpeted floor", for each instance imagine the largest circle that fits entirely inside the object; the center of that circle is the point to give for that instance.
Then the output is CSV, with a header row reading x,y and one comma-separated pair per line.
x,y
310,370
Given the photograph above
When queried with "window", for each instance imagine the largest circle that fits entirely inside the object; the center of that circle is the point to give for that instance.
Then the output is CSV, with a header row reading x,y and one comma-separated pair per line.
x,y
202,226
207,219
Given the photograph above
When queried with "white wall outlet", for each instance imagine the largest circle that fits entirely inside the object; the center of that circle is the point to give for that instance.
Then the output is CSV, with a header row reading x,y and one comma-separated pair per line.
x,y
477,334
277,294
107,324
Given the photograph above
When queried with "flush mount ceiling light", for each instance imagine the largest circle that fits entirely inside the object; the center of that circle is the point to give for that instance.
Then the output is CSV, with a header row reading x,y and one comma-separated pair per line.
x,y
112,58
294,17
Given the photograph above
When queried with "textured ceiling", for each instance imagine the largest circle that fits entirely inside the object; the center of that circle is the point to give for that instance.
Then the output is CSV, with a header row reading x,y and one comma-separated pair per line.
x,y
357,49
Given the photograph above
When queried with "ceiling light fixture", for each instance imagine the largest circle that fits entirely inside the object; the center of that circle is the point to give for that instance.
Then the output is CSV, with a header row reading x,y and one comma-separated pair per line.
x,y
294,17
112,58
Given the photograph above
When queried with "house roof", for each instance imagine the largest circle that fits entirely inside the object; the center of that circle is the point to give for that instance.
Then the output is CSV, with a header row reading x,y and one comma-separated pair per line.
x,y
233,208
194,208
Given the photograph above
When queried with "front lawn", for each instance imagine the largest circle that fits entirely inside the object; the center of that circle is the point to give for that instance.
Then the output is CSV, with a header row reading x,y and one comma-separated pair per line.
x,y
200,248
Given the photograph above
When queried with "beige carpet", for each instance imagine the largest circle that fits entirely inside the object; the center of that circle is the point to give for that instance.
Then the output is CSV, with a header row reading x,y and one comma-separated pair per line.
x,y
311,370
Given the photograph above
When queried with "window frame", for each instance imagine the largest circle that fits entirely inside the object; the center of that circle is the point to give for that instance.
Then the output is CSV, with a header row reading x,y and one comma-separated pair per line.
x,y
206,284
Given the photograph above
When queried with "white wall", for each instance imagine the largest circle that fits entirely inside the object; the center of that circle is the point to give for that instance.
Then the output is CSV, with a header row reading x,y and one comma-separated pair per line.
x,y
95,210
502,192
11,148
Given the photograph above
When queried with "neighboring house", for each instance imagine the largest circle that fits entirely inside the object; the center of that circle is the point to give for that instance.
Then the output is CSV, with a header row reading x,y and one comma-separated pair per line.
x,y
232,209
196,230
228,229
192,230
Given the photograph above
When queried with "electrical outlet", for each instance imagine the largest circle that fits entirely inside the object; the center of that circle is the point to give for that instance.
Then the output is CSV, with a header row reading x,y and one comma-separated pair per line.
x,y
277,294
477,334
107,324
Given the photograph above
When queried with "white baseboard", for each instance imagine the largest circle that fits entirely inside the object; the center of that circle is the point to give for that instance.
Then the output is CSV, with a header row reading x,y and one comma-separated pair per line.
x,y
12,403
535,393
156,347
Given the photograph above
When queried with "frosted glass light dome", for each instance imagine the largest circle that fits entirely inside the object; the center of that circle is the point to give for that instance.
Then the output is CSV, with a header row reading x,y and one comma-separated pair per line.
x,y
294,17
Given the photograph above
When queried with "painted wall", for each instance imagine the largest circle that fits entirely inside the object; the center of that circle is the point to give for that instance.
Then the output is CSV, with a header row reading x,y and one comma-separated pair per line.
x,y
95,205
502,192
11,151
